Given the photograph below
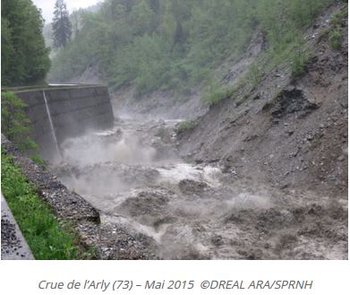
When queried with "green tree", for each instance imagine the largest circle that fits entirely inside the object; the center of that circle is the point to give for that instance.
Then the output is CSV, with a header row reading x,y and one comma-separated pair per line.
x,y
24,56
155,5
61,25
141,17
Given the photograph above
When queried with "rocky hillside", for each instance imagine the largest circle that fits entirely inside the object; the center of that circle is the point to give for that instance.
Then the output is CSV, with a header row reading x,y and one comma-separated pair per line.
x,y
290,130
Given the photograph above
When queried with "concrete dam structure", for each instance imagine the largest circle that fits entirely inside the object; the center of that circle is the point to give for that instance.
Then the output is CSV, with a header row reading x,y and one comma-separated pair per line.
x,y
61,112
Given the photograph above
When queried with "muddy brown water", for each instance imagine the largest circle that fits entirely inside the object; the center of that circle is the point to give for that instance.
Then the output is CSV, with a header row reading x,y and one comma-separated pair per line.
x,y
133,175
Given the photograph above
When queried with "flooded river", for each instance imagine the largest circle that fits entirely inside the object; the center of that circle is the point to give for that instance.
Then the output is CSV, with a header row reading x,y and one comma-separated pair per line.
x,y
133,175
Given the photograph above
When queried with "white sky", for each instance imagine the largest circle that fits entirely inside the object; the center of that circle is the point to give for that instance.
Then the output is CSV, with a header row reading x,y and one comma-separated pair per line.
x,y
47,6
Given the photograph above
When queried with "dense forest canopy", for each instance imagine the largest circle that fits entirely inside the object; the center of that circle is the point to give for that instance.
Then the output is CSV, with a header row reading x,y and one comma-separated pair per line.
x,y
24,56
175,44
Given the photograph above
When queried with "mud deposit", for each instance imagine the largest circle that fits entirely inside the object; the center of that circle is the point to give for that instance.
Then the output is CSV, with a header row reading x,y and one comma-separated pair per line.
x,y
134,177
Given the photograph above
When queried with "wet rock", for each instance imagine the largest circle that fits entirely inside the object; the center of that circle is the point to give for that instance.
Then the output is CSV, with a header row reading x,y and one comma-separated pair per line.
x,y
146,203
284,186
164,220
341,158
294,153
239,216
251,137
189,186
217,240
291,101
251,254
310,137
275,121
273,219
286,242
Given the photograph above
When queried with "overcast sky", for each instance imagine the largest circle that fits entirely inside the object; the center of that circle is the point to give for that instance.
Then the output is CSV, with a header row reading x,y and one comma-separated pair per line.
x,y
47,6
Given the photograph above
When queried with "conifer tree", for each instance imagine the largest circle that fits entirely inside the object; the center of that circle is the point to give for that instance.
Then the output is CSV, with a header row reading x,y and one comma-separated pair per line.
x,y
61,25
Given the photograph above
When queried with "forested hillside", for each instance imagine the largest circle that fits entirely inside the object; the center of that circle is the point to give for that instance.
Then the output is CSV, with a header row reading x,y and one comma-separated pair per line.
x,y
152,44
24,57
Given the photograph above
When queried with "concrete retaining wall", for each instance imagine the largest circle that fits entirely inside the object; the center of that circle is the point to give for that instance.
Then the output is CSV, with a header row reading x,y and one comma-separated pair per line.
x,y
74,110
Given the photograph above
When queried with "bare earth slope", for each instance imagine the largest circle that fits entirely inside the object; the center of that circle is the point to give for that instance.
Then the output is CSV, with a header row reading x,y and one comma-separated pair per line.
x,y
288,140
290,133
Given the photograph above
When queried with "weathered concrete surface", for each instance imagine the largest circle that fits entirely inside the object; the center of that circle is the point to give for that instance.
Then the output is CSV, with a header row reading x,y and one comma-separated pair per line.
x,y
13,244
74,110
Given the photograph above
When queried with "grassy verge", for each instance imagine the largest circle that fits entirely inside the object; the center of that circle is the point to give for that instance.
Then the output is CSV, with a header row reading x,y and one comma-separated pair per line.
x,y
47,237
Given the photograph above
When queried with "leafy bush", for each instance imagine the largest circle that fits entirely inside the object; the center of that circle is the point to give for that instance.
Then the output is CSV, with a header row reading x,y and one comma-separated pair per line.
x,y
254,75
335,34
335,38
185,126
299,60
215,92
339,18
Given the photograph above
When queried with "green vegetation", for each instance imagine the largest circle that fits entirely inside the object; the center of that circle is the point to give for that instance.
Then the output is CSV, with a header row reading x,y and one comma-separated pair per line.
x,y
24,56
61,25
47,237
339,19
255,74
335,35
185,126
299,60
176,45
15,124
39,161
17,127
216,92
335,38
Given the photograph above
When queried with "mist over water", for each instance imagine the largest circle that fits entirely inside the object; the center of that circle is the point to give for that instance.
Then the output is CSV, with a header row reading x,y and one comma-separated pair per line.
x,y
112,146
133,175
